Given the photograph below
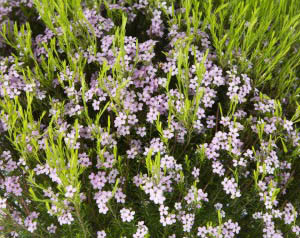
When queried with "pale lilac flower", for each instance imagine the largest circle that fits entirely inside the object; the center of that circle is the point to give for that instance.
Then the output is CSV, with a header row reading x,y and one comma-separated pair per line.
x,y
290,213
141,131
196,172
3,203
12,185
51,228
132,153
142,230
84,160
98,181
101,234
102,197
168,134
120,196
127,215
137,180
230,187
296,229
167,161
218,168
29,223
218,206
187,221
70,191
156,195
65,218
168,220
288,125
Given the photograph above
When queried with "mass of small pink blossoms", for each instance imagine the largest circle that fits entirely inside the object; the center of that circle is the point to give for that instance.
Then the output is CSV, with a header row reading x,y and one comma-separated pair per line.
x,y
220,174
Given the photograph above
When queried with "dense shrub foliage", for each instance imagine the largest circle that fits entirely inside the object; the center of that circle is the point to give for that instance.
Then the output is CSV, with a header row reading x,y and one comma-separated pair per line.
x,y
149,118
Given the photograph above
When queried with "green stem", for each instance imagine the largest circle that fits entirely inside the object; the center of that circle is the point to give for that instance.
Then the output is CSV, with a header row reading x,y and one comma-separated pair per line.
x,y
85,231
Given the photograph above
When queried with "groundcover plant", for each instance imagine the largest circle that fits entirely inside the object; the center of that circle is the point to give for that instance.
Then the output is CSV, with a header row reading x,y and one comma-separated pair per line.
x,y
149,118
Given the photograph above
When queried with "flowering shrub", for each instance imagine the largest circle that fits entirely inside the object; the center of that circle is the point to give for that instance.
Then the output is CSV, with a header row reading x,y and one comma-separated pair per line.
x,y
149,119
